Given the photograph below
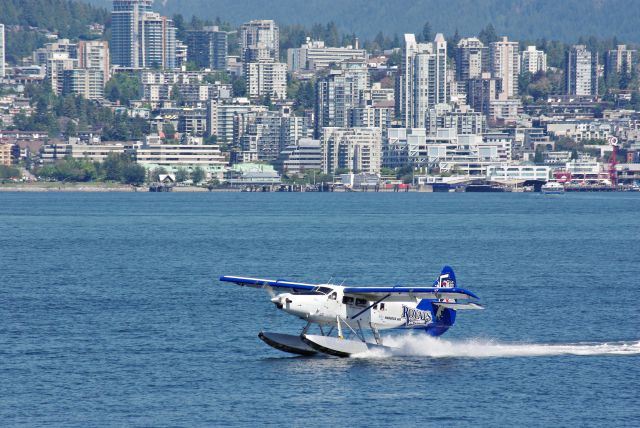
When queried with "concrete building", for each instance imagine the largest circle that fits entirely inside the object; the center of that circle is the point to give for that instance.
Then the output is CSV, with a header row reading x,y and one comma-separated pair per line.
x,y
266,78
399,143
181,54
5,154
294,128
339,92
158,38
505,65
51,153
581,67
3,66
422,80
126,31
620,61
174,156
224,120
463,154
260,136
302,157
141,38
481,91
463,119
260,40
94,55
57,64
505,110
472,59
61,46
88,83
533,60
508,173
207,48
354,149
369,115
314,55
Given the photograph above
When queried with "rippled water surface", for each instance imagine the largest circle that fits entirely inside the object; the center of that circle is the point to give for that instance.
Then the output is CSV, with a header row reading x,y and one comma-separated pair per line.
x,y
111,312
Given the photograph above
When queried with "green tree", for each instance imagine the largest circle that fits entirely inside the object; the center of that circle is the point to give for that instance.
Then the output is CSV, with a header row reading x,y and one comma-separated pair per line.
x,y
133,174
182,175
123,87
197,175
9,172
427,32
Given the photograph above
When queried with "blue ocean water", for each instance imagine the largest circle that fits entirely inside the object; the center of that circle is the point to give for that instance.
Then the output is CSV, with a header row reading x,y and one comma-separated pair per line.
x,y
111,312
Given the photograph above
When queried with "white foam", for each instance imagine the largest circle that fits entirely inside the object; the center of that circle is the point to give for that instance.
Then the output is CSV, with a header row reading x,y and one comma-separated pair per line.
x,y
426,346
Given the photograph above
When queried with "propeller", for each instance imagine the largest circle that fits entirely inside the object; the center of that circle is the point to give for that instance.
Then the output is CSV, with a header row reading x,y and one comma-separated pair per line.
x,y
269,290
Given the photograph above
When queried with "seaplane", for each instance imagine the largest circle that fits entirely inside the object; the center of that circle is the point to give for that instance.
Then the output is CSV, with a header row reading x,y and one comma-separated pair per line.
x,y
343,314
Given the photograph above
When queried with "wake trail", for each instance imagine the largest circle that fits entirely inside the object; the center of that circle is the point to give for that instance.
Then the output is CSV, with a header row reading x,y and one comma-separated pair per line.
x,y
425,346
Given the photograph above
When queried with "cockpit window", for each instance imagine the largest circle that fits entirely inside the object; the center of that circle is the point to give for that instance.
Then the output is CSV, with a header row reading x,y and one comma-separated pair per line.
x,y
324,290
333,296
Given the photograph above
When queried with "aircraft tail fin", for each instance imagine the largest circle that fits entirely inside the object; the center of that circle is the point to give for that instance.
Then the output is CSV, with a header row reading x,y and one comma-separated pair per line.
x,y
447,278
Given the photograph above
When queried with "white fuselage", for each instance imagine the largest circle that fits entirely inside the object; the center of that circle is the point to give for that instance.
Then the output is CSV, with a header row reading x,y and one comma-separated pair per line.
x,y
321,308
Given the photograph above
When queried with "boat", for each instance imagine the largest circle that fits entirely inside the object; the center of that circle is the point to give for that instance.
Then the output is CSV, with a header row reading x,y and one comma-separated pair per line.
x,y
552,188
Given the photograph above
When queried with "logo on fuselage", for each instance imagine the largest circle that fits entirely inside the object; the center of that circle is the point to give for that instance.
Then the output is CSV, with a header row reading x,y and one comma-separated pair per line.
x,y
415,316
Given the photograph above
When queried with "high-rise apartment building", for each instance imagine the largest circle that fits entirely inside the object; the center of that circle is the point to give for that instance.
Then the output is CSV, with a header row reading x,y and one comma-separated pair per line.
x,y
126,31
266,78
472,59
581,71
482,91
94,55
620,61
57,64
338,93
422,81
141,38
158,47
505,65
260,40
533,60
207,48
2,54
88,83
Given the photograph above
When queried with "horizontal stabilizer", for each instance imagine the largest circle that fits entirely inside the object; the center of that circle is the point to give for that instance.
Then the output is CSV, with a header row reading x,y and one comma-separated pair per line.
x,y
458,306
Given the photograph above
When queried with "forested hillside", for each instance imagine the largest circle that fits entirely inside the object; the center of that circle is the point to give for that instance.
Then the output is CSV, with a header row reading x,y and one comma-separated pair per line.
x,y
564,20
68,18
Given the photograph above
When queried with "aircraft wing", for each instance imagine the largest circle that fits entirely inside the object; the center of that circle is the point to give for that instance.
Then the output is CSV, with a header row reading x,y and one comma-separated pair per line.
x,y
264,283
399,293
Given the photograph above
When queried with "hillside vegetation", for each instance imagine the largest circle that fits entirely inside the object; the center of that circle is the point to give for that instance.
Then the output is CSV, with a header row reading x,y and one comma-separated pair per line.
x,y
564,20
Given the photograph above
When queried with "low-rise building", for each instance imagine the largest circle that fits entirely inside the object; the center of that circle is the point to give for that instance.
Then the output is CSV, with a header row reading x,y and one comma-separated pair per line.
x,y
518,172
94,152
314,55
174,156
302,157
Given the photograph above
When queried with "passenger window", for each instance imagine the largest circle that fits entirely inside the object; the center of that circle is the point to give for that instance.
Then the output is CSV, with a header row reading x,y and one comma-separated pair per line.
x,y
347,300
382,306
361,302
333,296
